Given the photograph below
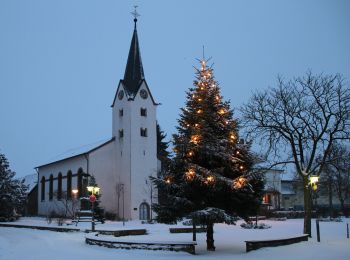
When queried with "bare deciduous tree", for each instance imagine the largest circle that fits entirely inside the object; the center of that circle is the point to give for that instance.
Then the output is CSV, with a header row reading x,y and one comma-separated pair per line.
x,y
298,121
337,173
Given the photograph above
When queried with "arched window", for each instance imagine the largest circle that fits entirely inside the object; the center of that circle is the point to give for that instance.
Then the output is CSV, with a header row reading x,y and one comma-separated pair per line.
x,y
43,188
69,185
144,211
51,188
80,183
59,186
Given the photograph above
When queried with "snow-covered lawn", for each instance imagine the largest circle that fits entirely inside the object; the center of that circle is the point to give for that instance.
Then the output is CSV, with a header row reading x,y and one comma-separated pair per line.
x,y
19,243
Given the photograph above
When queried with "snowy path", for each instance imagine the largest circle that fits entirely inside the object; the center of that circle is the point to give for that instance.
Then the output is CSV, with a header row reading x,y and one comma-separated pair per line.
x,y
16,244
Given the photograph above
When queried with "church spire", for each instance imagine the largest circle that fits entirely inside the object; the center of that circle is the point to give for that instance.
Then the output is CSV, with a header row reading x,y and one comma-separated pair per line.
x,y
134,69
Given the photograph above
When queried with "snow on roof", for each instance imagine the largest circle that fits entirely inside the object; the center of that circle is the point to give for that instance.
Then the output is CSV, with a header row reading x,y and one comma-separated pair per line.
x,y
30,180
76,151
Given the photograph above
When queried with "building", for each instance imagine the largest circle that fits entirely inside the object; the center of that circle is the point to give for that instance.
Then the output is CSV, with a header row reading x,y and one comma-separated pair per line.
x,y
31,206
121,164
272,189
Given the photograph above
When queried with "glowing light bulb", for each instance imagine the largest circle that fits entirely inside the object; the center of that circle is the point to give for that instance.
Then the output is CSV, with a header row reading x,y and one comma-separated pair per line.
x,y
210,179
190,174
199,111
221,111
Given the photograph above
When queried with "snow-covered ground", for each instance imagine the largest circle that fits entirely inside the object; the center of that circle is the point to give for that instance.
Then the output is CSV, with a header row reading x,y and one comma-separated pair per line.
x,y
19,243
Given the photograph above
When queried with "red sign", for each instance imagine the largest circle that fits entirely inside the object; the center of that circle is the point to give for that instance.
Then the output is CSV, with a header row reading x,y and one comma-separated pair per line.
x,y
92,198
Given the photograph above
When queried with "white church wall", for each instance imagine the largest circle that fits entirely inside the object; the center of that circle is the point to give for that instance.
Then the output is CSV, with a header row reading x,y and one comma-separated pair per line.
x,y
102,166
71,164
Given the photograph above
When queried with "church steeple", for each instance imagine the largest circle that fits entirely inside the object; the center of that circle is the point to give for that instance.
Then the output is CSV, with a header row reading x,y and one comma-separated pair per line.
x,y
134,69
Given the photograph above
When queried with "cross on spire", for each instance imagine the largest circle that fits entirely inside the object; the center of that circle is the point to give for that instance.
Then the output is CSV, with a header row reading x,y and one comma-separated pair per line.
x,y
135,14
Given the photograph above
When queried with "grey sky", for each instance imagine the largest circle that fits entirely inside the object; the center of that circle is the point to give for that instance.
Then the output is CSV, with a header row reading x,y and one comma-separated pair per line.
x,y
60,61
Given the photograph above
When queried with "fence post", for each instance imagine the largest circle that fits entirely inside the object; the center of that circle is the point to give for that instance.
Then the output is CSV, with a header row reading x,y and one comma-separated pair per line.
x,y
347,230
318,230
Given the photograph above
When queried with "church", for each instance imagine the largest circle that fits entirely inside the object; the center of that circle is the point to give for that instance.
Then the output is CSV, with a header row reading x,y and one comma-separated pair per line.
x,y
120,165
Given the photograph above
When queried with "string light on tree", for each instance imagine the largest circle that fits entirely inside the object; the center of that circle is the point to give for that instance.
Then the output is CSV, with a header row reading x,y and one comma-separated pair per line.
x,y
190,174
239,183
209,180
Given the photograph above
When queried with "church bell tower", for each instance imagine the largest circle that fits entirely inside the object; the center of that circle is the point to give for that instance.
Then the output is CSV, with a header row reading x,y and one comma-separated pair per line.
x,y
134,130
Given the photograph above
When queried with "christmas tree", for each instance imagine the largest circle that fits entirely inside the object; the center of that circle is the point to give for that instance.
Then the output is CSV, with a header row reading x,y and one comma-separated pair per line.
x,y
210,178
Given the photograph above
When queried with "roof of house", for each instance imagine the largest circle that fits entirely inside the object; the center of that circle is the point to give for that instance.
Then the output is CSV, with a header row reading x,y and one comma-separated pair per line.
x,y
30,180
75,152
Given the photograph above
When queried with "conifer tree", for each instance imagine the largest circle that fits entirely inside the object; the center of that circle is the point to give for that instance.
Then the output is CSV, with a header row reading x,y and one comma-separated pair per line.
x,y
12,192
210,179
98,211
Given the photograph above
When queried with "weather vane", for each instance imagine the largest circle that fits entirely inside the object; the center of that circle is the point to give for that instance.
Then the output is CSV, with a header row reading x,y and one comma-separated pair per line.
x,y
135,13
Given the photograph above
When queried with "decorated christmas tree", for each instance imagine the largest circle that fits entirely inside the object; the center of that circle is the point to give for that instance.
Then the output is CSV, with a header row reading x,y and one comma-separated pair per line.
x,y
210,179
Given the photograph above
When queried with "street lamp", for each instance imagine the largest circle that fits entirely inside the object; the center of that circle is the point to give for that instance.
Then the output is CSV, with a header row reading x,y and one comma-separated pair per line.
x,y
74,202
313,180
94,190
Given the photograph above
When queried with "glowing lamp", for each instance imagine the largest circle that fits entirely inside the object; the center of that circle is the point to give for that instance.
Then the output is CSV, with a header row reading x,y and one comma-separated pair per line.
x,y
90,188
96,190
75,191
313,180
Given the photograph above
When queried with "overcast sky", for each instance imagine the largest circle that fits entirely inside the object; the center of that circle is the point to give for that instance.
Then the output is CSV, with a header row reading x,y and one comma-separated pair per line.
x,y
61,61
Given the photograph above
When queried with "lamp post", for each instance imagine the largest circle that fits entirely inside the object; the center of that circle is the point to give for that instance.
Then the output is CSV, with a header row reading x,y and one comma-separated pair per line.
x,y
313,180
122,186
94,190
75,196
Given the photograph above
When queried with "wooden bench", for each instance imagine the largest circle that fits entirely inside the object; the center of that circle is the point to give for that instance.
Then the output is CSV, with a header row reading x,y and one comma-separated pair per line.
x,y
256,244
188,247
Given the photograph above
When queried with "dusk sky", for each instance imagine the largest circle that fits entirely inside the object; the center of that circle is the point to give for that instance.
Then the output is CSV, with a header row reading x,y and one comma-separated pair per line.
x,y
61,61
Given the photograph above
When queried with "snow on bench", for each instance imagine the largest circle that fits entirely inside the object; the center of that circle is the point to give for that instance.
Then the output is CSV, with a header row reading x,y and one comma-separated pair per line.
x,y
146,245
256,244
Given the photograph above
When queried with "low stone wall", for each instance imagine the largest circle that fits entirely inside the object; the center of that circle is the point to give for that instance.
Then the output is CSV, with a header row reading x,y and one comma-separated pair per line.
x,y
187,230
57,229
130,232
256,244
188,247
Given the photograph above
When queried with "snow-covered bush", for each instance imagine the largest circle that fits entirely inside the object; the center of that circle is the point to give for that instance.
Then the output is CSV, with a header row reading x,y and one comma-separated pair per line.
x,y
255,226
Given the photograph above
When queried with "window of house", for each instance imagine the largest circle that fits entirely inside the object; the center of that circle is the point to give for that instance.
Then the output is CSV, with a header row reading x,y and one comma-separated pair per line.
x,y
51,188
59,186
69,184
121,133
143,111
143,132
43,188
121,112
80,183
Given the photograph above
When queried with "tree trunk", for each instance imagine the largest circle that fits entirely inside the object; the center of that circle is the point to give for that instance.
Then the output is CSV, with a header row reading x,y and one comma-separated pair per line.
x,y
330,198
194,230
307,206
210,237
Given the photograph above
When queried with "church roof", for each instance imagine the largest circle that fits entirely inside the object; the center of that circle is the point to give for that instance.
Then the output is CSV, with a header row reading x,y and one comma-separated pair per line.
x,y
75,152
134,70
